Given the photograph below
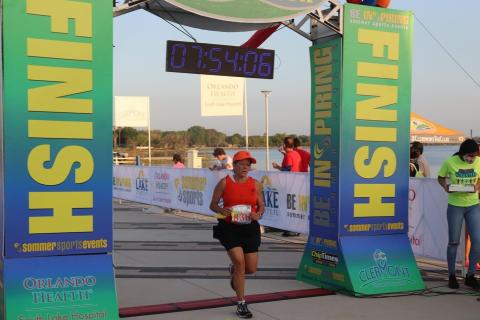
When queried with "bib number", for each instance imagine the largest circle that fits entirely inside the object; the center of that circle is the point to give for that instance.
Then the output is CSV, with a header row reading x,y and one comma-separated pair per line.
x,y
241,214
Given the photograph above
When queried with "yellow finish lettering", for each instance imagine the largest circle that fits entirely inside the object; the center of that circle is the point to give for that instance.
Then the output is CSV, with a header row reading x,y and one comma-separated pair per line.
x,y
62,205
379,40
371,109
378,134
60,11
375,207
60,129
50,98
44,48
382,157
61,167
377,70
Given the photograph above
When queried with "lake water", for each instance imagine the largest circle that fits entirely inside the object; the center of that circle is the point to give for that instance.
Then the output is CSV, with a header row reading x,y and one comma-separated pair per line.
x,y
435,156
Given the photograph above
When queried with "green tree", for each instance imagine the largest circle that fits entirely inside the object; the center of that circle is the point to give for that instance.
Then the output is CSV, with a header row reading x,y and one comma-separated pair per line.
x,y
236,140
196,136
128,137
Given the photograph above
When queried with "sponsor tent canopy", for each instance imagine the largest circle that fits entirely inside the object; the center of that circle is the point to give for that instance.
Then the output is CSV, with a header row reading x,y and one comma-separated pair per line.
x,y
427,131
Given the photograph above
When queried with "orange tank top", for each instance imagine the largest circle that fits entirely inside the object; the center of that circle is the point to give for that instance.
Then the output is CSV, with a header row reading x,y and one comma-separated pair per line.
x,y
240,193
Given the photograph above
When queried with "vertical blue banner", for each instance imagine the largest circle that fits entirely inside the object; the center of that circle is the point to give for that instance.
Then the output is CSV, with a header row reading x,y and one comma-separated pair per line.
x,y
322,261
326,68
56,169
57,144
377,68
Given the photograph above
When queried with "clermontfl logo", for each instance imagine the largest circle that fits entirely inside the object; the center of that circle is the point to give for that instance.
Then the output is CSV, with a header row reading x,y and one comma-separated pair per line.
x,y
382,272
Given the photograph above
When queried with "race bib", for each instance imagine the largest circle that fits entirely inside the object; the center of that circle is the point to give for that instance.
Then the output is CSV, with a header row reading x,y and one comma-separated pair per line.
x,y
241,214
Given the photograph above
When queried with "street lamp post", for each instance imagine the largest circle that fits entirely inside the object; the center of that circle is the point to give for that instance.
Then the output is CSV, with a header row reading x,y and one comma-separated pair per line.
x,y
266,93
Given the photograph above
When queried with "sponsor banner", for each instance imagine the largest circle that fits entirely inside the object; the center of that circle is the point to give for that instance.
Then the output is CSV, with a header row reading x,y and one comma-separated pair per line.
x,y
286,200
123,182
222,96
380,264
321,268
326,64
68,288
427,219
375,120
286,194
248,10
57,102
132,183
132,112
192,189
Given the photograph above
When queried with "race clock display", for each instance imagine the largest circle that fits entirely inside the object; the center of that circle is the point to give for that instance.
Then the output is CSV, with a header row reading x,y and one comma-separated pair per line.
x,y
221,60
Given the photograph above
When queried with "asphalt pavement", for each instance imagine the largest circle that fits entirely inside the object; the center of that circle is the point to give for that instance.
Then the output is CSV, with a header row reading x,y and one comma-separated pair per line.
x,y
166,261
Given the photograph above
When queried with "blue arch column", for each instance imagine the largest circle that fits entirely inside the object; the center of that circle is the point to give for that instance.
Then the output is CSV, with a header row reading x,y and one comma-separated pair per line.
x,y
361,89
56,171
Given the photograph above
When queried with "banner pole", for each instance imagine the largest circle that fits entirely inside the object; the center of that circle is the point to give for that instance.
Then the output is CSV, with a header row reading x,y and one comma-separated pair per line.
x,y
149,138
245,108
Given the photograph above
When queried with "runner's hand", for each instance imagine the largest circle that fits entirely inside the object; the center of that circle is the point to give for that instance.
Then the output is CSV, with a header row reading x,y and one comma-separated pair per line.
x,y
225,211
256,216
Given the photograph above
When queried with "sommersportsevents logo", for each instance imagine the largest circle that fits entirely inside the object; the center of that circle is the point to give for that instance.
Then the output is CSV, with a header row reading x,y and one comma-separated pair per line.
x,y
383,274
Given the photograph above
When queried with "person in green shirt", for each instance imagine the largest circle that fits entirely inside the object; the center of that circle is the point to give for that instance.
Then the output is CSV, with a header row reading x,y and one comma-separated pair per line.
x,y
459,176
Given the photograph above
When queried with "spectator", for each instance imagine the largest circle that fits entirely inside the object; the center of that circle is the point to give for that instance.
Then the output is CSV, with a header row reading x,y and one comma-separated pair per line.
x,y
291,159
223,160
462,171
419,166
291,162
304,155
178,161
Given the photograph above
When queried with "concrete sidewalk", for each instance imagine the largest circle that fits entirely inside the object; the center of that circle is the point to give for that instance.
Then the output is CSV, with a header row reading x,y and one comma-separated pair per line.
x,y
166,257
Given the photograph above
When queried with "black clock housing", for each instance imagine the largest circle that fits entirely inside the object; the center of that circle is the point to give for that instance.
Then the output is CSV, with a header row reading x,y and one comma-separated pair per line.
x,y
220,60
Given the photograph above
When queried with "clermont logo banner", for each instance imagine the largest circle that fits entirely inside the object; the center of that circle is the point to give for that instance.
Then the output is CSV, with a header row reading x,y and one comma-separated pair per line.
x,y
58,100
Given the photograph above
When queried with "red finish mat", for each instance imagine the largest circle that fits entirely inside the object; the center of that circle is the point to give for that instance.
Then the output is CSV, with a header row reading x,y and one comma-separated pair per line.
x,y
219,302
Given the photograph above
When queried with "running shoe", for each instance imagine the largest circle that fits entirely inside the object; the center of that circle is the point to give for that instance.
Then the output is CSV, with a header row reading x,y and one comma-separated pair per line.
x,y
242,311
472,282
452,282
231,269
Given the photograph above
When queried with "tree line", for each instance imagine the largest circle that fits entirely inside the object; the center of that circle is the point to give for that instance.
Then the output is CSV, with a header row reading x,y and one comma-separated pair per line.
x,y
195,136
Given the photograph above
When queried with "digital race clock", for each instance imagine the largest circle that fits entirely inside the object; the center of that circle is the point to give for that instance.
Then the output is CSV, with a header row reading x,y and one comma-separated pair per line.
x,y
216,59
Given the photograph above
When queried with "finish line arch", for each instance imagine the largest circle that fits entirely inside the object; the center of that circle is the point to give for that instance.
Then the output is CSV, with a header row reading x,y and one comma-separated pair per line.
x,y
56,182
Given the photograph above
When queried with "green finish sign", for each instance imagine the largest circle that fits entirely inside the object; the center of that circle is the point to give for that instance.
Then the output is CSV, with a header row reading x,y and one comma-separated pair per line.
x,y
254,11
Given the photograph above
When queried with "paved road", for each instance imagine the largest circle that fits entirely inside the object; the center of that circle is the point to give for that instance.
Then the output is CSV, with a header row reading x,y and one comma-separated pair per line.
x,y
166,257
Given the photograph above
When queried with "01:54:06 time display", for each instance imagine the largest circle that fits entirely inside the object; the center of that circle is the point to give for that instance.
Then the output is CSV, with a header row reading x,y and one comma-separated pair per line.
x,y
213,59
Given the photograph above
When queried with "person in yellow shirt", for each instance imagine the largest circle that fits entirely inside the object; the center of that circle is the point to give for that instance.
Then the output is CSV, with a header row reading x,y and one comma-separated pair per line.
x,y
459,176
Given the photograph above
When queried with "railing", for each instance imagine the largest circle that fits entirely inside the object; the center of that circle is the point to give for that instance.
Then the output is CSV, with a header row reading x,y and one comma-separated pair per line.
x,y
143,161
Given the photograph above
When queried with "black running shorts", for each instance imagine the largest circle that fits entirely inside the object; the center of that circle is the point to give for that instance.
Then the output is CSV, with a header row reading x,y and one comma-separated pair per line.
x,y
236,235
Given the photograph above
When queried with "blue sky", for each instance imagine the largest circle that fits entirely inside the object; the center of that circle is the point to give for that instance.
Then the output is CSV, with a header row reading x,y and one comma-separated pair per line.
x,y
441,91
